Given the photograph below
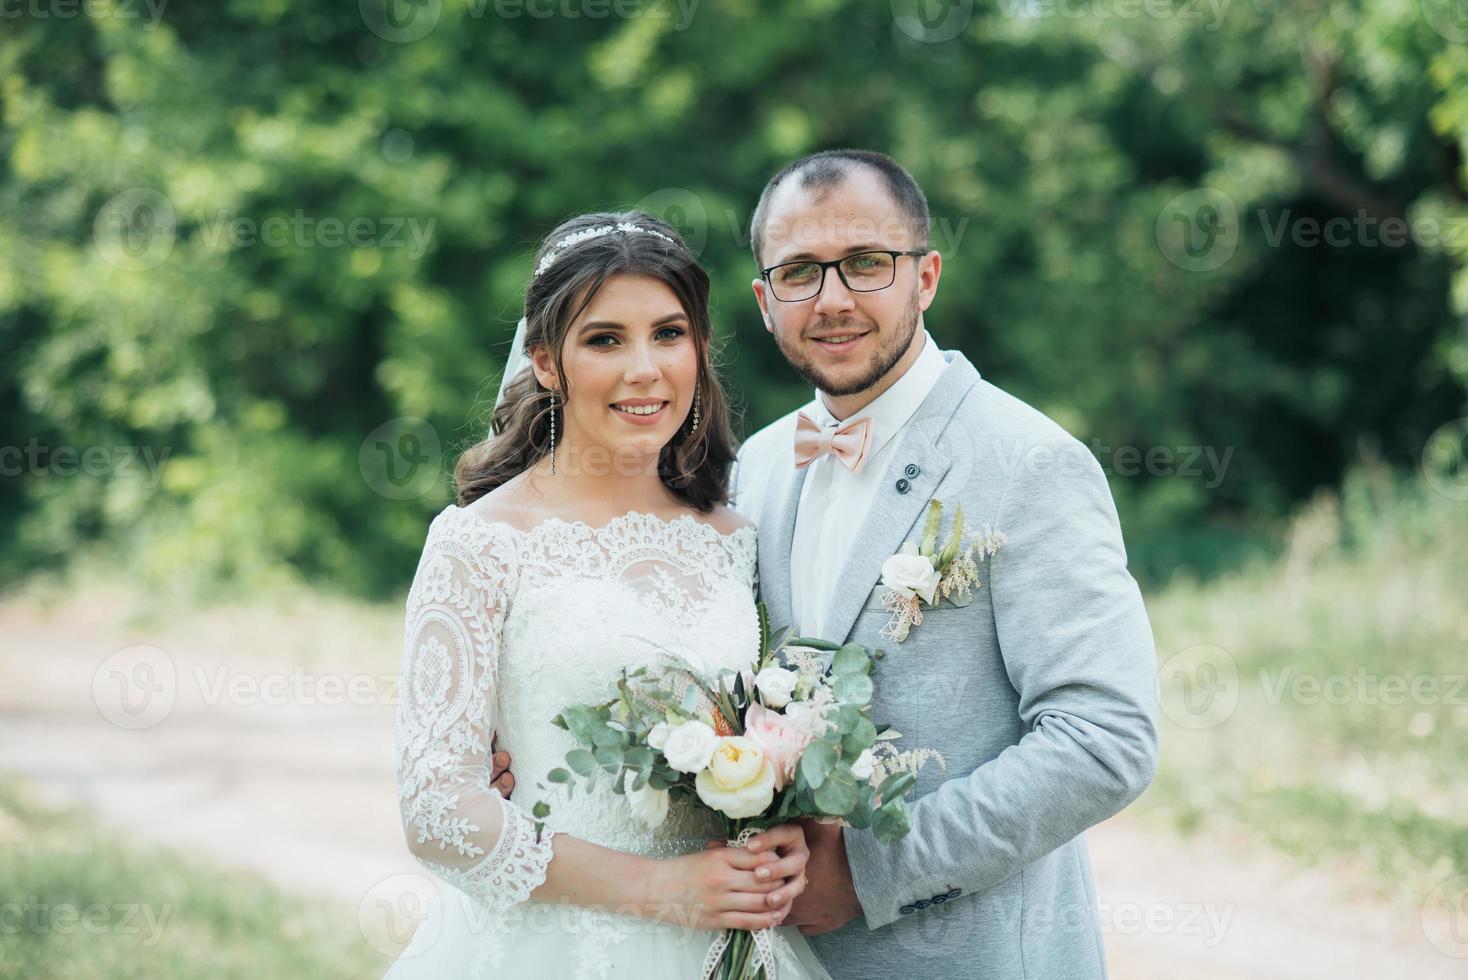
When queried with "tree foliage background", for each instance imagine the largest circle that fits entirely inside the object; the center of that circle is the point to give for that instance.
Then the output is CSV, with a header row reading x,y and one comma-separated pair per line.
x,y
1124,192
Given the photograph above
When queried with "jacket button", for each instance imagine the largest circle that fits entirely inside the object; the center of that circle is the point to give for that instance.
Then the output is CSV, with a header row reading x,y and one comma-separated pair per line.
x,y
906,910
903,486
921,903
955,892
940,898
912,470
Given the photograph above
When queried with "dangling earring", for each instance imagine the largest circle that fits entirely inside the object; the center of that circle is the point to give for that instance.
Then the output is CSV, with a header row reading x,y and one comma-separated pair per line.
x,y
695,412
553,433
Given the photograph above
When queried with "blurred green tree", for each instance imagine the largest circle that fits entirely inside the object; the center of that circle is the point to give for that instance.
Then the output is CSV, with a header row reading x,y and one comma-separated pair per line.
x,y
280,248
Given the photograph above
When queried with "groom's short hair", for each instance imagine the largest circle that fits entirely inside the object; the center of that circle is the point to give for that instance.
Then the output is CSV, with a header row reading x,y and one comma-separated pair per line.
x,y
828,168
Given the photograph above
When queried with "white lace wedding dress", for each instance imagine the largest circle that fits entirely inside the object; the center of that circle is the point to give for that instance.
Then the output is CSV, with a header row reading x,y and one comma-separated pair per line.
x,y
505,627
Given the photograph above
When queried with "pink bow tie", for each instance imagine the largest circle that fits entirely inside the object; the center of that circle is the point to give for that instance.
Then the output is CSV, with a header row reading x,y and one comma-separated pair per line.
x,y
848,443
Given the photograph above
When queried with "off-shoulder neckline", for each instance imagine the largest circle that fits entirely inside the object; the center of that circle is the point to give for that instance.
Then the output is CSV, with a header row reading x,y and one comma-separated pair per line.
x,y
615,522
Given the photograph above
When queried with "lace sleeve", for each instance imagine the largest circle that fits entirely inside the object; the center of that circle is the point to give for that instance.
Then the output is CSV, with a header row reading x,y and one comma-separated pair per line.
x,y
457,825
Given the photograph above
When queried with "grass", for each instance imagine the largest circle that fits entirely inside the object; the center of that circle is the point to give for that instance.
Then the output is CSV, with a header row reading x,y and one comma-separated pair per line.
x,y
1320,701
81,903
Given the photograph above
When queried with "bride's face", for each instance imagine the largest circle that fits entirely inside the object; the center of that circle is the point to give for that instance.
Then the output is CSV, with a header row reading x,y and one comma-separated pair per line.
x,y
631,367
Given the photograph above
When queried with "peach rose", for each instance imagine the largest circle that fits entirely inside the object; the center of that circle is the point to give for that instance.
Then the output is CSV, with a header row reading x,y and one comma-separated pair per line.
x,y
781,741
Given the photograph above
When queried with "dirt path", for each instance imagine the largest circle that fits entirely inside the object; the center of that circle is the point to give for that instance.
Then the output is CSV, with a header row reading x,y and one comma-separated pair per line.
x,y
205,737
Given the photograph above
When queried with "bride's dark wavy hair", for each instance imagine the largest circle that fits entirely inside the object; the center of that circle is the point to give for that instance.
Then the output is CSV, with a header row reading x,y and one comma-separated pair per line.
x,y
693,465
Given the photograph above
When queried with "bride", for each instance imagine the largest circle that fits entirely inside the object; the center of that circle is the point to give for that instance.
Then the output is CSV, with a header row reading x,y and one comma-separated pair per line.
x,y
590,532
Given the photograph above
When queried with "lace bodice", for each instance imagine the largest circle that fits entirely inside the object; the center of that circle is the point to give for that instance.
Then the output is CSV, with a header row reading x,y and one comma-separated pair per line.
x,y
505,627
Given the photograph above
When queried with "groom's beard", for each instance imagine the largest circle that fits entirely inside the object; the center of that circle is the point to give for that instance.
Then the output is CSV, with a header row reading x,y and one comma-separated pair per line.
x,y
883,358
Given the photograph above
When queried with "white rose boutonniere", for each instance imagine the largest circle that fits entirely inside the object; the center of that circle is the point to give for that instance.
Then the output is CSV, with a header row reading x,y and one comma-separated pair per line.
x,y
907,571
920,573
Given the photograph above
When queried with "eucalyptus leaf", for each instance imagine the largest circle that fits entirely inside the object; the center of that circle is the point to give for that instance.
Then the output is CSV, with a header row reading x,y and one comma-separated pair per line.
x,y
817,762
860,816
853,688
838,793
851,659
582,761
861,737
891,821
583,722
605,737
896,785
815,643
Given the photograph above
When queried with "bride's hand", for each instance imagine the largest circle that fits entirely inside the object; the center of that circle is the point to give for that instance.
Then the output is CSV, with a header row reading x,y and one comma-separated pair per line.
x,y
793,854
719,888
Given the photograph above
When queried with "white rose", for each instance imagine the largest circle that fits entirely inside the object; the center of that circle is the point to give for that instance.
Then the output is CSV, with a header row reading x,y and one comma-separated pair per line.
x,y
690,745
911,572
863,766
776,684
739,780
658,736
648,805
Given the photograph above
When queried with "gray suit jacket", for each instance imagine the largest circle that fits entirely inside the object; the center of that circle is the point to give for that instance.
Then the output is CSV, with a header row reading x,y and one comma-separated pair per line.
x,y
1041,693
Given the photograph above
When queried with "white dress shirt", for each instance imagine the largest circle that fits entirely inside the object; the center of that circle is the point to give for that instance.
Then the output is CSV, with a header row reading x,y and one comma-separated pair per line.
x,y
834,501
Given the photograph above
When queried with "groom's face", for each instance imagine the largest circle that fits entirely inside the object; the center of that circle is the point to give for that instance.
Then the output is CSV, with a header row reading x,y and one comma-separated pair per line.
x,y
844,341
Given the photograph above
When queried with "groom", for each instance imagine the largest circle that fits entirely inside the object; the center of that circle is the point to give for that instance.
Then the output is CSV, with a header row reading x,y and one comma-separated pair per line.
x,y
1039,693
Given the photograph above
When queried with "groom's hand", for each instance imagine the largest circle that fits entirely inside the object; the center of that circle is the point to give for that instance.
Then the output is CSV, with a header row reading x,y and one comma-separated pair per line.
x,y
830,901
500,776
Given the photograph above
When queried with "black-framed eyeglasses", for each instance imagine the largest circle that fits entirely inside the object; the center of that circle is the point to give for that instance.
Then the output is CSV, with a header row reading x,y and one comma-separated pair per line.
x,y
861,272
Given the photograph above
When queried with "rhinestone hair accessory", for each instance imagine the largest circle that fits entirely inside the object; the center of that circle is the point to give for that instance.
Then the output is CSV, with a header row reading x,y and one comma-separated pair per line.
x,y
586,234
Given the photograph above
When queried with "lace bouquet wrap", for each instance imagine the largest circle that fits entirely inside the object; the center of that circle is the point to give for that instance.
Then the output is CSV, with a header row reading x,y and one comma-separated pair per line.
x,y
787,737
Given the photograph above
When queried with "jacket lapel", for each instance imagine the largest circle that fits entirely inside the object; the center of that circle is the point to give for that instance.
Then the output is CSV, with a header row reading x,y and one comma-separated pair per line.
x,y
776,533
893,513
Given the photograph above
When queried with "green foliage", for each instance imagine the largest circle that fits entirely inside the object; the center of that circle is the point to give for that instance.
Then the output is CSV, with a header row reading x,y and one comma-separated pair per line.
x,y
87,905
260,370
1349,652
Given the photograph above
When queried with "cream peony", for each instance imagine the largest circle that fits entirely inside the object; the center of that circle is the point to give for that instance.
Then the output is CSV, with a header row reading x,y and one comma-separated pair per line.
x,y
776,685
648,805
739,780
690,745
907,571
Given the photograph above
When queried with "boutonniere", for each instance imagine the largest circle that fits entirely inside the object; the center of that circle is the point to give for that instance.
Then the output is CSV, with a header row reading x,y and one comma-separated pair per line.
x,y
920,573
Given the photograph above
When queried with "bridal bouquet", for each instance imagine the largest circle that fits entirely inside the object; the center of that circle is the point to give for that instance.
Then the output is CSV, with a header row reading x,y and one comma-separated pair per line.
x,y
782,739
